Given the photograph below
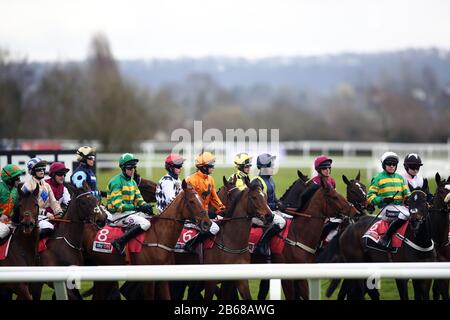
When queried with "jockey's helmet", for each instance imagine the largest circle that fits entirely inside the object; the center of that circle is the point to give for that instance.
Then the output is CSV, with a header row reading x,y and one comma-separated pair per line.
x,y
84,152
35,164
57,168
242,160
127,159
265,160
322,162
173,160
10,172
205,159
412,160
389,157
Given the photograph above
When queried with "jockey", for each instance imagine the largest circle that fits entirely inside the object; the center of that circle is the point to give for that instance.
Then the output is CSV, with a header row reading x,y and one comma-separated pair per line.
x,y
57,174
85,170
46,198
388,191
126,206
412,164
8,196
243,164
169,185
203,183
265,164
322,165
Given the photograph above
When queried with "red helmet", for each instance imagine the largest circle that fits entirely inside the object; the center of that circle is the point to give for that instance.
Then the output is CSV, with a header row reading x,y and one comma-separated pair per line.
x,y
173,159
322,162
57,167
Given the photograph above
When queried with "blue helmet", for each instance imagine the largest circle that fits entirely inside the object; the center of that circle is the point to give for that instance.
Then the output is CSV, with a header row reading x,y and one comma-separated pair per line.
x,y
35,163
265,160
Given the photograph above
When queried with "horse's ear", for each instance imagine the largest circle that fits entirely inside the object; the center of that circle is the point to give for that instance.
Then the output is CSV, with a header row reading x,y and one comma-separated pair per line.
x,y
438,178
184,184
302,176
358,176
247,182
425,184
36,191
448,179
323,183
225,181
86,186
345,179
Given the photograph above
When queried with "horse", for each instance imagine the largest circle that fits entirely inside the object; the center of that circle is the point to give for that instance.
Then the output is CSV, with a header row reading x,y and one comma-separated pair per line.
x,y
24,240
230,245
160,239
304,233
64,246
417,246
147,189
439,218
290,199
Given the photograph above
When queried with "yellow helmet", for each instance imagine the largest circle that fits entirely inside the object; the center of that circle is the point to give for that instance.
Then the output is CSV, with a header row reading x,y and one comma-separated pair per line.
x,y
242,159
204,159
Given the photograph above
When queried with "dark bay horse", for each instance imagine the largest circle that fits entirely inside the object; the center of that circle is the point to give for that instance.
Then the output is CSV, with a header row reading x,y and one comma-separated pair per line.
x,y
439,218
64,246
305,231
418,247
147,189
231,242
24,241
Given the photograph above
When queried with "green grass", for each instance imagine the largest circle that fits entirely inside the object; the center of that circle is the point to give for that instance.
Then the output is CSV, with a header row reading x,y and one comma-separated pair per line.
x,y
283,179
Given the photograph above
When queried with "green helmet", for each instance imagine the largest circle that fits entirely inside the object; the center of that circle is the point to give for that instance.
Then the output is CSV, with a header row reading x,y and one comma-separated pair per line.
x,y
127,158
11,171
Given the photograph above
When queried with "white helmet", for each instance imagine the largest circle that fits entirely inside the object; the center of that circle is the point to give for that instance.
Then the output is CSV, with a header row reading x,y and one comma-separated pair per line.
x,y
85,151
389,155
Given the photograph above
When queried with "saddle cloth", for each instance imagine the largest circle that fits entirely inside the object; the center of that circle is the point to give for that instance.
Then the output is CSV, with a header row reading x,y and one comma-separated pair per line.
x,y
379,228
104,237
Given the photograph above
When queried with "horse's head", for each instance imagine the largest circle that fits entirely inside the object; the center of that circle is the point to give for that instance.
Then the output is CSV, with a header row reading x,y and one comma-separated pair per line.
x,y
257,202
193,207
147,189
441,199
335,204
27,209
356,192
291,197
418,208
84,206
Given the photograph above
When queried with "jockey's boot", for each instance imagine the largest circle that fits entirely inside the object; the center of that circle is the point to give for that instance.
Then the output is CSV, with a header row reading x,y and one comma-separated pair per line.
x,y
386,238
119,243
190,245
44,233
263,246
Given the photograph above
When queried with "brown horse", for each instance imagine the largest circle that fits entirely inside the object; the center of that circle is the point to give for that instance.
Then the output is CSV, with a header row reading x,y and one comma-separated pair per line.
x,y
419,247
23,245
439,218
160,239
64,246
305,231
290,199
147,189
231,242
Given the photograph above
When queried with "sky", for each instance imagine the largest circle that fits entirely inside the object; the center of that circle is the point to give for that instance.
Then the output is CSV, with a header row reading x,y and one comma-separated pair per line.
x,y
58,30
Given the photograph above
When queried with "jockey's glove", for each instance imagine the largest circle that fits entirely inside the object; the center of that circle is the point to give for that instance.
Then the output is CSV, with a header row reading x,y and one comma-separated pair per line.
x,y
147,209
59,214
388,201
280,206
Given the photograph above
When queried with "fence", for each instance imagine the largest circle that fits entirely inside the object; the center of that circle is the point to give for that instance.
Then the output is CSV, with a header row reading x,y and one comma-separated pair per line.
x,y
371,271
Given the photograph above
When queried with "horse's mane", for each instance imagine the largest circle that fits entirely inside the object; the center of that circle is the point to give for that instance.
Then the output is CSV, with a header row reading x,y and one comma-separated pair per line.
x,y
283,197
307,195
171,204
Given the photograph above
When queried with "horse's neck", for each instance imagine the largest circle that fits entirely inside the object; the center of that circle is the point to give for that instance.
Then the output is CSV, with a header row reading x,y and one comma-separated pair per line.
x,y
26,243
236,232
89,233
72,231
422,236
167,228
439,227
308,230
